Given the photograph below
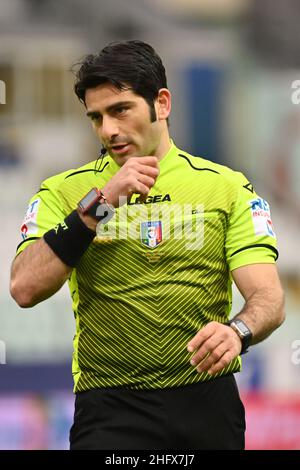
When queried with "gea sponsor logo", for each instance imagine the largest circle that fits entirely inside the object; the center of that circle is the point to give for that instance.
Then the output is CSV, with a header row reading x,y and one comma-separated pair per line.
x,y
150,199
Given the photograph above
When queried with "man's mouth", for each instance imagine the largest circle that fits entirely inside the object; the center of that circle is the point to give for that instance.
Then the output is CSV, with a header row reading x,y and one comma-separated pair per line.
x,y
120,148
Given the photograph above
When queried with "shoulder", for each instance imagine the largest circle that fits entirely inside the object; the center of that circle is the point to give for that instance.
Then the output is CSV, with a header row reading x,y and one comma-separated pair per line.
x,y
56,181
221,173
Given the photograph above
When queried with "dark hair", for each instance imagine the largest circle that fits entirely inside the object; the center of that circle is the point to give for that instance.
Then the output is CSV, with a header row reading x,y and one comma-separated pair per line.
x,y
128,64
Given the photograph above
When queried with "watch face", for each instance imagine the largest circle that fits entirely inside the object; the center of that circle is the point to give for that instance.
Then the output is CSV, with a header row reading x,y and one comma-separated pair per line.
x,y
89,198
244,330
94,204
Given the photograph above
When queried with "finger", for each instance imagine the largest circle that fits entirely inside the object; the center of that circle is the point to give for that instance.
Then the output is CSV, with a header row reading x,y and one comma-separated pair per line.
x,y
212,358
206,332
136,187
141,189
146,180
151,161
147,170
222,363
148,162
206,349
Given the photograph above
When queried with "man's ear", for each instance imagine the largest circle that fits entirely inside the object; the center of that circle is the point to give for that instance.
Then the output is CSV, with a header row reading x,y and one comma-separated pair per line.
x,y
163,104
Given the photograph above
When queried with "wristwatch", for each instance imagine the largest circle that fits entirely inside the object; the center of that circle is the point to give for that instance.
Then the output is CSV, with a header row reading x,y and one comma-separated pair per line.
x,y
95,204
245,334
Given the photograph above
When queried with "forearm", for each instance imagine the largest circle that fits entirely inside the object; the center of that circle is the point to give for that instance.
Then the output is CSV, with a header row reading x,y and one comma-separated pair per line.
x,y
37,273
263,312
215,345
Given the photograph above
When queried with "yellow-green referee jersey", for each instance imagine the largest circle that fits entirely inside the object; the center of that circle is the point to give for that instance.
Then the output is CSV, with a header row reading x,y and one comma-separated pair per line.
x,y
157,272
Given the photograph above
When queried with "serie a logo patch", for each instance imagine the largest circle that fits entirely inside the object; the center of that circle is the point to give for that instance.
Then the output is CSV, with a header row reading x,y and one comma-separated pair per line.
x,y
151,233
261,216
29,226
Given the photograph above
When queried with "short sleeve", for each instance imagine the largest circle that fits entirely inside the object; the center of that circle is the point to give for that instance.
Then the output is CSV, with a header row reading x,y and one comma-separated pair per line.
x,y
250,237
45,210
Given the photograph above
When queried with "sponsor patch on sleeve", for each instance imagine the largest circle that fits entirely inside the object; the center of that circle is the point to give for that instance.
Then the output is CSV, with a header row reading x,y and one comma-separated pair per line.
x,y
261,216
29,225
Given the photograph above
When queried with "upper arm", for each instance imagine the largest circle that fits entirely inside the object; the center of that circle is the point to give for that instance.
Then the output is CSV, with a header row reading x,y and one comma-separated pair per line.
x,y
257,277
45,210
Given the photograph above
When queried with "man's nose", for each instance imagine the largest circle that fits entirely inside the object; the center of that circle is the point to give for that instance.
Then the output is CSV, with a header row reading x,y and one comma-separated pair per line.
x,y
109,129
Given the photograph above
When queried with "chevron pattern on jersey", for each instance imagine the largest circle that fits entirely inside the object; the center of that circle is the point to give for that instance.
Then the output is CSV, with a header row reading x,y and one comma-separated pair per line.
x,y
137,305
148,311
136,317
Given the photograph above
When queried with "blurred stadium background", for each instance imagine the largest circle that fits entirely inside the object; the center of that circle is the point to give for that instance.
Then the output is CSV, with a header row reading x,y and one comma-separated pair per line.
x,y
231,65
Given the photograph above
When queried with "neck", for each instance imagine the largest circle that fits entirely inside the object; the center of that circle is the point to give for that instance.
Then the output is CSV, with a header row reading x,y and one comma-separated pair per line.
x,y
163,146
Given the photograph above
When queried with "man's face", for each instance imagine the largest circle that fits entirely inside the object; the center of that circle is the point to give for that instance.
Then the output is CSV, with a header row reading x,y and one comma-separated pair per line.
x,y
122,122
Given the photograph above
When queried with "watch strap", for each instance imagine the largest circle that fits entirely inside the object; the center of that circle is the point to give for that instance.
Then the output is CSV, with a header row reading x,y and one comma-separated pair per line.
x,y
244,337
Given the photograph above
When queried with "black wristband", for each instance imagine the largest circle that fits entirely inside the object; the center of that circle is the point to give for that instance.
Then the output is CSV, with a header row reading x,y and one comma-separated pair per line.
x,y
70,239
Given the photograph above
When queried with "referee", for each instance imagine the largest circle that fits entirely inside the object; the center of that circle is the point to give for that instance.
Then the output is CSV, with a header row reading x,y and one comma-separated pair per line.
x,y
149,239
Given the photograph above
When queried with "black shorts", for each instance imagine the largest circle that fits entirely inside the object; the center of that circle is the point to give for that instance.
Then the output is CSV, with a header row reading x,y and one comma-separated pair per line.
x,y
207,415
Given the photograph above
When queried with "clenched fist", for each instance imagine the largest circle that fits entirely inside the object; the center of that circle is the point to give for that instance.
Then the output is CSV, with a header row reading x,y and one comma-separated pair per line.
x,y
136,176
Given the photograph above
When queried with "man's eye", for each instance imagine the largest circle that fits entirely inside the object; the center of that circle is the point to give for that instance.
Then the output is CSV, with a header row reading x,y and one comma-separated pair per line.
x,y
120,110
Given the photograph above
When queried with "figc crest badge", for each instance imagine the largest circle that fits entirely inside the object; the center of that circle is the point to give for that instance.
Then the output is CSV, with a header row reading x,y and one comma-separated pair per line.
x,y
151,233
